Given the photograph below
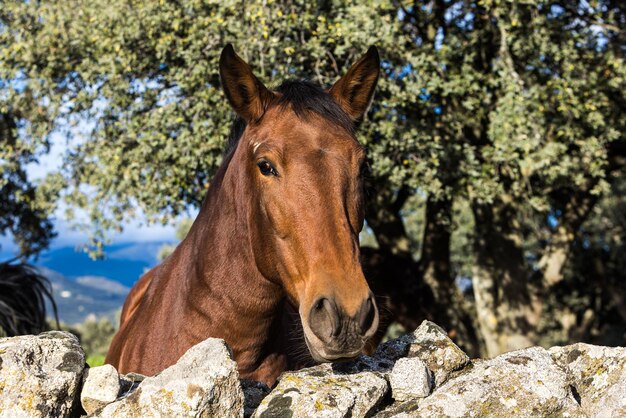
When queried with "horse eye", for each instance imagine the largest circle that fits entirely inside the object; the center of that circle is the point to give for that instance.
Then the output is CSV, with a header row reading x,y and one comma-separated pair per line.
x,y
266,168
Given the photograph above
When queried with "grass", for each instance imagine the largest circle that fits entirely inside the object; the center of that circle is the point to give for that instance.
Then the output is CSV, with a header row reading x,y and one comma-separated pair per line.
x,y
95,360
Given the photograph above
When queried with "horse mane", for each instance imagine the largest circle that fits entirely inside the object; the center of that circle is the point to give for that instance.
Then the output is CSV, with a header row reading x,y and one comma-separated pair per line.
x,y
304,98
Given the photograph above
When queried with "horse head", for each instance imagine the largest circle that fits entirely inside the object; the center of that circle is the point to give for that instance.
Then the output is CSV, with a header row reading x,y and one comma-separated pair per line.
x,y
300,165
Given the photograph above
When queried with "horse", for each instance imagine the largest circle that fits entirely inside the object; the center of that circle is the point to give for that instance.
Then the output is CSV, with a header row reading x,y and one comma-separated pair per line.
x,y
271,264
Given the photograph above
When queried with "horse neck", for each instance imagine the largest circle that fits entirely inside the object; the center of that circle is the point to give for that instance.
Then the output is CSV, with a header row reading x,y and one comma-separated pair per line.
x,y
219,240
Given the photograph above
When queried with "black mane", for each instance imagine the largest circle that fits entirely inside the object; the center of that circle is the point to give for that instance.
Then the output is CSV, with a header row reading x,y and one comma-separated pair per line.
x,y
304,98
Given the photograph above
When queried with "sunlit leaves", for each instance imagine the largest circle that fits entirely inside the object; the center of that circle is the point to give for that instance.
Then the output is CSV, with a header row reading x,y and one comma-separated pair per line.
x,y
459,112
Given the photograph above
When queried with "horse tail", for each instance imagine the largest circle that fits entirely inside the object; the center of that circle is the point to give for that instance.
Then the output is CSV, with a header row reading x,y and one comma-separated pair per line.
x,y
23,294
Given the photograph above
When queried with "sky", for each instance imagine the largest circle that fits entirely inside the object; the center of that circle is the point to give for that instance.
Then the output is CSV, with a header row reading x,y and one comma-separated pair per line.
x,y
134,231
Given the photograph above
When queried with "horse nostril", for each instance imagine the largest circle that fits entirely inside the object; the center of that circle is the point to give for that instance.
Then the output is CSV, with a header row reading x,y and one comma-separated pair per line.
x,y
324,319
320,304
367,315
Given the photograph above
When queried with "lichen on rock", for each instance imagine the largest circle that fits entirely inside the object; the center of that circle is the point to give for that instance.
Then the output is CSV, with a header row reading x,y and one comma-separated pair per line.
x,y
598,374
40,375
204,382
523,383
410,379
326,391
421,374
430,343
101,386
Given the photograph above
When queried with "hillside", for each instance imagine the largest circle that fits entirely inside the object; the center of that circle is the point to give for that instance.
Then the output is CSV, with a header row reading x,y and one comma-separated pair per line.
x,y
84,287
86,295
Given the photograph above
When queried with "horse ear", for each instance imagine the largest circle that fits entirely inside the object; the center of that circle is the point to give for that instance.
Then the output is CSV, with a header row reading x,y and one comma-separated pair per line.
x,y
246,94
355,89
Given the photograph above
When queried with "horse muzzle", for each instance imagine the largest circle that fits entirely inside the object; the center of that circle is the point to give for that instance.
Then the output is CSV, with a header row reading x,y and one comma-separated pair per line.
x,y
331,335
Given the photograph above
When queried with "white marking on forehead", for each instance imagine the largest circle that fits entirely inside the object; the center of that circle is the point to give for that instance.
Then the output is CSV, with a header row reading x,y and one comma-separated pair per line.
x,y
256,145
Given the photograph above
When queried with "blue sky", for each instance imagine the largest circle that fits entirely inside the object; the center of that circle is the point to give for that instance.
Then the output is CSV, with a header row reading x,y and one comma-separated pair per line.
x,y
134,231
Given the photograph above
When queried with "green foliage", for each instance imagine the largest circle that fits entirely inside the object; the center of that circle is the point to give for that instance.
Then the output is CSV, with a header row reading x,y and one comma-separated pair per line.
x,y
95,338
24,208
517,106
146,74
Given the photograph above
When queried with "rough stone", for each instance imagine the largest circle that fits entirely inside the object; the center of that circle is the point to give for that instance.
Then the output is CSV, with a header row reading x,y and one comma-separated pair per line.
x,y
406,409
598,375
204,383
430,343
409,379
101,386
441,355
524,383
40,375
327,391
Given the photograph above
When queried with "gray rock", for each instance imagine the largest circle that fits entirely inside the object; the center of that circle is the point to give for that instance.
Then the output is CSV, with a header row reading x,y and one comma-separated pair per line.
x,y
204,383
327,391
524,383
401,410
40,375
430,343
409,379
437,350
253,393
101,386
441,355
599,376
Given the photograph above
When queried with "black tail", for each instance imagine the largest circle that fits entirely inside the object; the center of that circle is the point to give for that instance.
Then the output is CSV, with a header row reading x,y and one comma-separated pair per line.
x,y
23,294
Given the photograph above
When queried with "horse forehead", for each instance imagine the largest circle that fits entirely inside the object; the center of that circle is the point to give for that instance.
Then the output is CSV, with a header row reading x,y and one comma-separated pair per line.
x,y
301,135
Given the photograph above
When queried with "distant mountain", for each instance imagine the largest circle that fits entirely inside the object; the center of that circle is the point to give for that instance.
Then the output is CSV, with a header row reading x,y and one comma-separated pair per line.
x,y
103,284
83,296
83,287
123,263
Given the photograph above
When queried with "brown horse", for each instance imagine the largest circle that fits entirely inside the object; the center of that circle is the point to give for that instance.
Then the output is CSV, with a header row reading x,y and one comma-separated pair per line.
x,y
277,236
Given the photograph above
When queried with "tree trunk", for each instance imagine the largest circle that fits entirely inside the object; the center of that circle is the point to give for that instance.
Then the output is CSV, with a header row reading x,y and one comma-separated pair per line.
x,y
383,216
390,269
575,207
435,260
506,302
436,271
408,291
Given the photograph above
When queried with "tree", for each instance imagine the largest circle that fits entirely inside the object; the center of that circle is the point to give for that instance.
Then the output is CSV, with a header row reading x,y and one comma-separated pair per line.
x,y
499,123
24,208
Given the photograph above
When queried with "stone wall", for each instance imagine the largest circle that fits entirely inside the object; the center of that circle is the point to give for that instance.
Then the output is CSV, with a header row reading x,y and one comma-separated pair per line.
x,y
419,374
